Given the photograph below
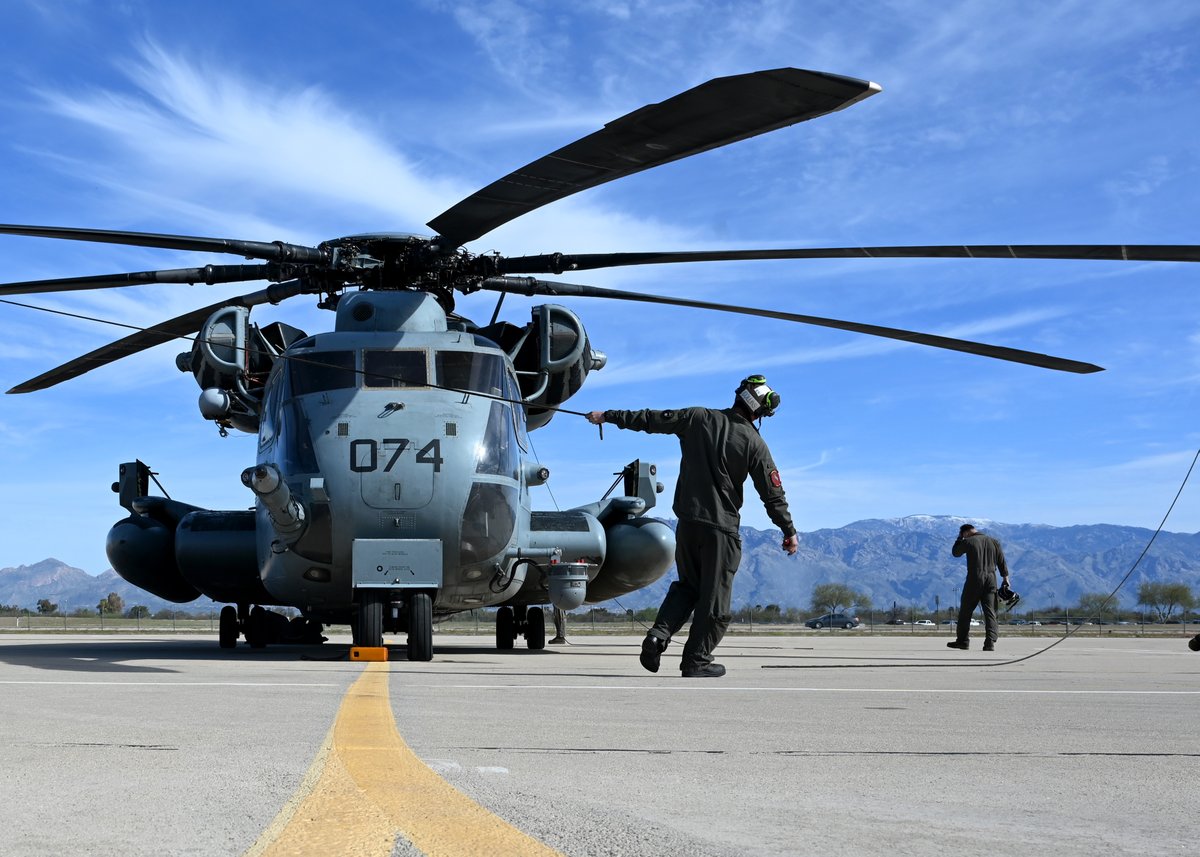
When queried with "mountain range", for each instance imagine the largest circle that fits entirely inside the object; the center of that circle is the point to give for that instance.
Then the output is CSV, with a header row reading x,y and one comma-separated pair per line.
x,y
900,561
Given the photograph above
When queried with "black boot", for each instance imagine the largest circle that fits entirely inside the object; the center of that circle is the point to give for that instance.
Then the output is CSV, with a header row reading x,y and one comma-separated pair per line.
x,y
706,671
652,649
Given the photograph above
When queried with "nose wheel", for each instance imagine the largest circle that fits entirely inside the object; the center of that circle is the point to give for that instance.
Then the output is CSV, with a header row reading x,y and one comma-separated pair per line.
x,y
420,627
368,629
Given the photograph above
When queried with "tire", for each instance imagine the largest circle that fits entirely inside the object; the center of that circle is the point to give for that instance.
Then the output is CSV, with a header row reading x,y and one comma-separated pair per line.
x,y
535,628
847,626
256,628
506,628
818,626
420,627
228,635
370,620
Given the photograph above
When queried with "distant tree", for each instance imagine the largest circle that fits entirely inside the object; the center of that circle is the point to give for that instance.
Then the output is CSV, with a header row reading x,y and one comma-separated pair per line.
x,y
1091,604
138,611
83,612
113,605
11,610
828,597
1165,598
46,607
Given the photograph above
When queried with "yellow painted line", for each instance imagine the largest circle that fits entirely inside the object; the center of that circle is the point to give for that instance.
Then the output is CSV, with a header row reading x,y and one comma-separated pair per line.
x,y
366,787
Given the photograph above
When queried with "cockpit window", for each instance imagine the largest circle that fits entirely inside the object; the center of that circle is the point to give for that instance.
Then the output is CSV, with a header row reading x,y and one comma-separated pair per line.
x,y
497,454
471,371
322,370
395,369
268,413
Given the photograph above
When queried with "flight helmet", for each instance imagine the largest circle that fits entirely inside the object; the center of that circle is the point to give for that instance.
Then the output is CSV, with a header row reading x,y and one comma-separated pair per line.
x,y
759,399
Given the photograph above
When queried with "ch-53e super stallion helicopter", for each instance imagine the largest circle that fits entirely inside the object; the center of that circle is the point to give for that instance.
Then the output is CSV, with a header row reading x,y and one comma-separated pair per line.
x,y
393,469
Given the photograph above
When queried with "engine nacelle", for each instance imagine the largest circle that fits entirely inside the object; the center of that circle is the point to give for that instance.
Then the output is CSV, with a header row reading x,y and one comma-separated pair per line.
x,y
230,360
552,356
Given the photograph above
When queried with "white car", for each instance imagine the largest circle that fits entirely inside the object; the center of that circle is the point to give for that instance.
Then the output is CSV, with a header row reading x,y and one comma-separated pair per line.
x,y
924,623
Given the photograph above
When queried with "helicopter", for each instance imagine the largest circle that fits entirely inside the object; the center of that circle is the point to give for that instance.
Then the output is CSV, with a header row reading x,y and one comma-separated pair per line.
x,y
392,479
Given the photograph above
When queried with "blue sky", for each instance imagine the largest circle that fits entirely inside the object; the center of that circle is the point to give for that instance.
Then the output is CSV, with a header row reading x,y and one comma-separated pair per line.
x,y
1015,122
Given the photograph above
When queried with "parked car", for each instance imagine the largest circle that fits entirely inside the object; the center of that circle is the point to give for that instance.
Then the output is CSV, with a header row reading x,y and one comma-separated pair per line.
x,y
833,620
924,623
896,622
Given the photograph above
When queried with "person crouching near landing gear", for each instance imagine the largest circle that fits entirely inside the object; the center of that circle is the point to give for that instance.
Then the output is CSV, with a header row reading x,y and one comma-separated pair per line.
x,y
720,448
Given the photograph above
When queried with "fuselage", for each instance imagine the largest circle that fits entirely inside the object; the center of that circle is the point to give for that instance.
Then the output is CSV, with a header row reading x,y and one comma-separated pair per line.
x,y
409,434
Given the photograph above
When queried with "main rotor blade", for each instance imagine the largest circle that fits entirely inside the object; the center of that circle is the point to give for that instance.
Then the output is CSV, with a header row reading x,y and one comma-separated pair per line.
x,y
556,263
209,275
183,325
531,286
274,251
713,114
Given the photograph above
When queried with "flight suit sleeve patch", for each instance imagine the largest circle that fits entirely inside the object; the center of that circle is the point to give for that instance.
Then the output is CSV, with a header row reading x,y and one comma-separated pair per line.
x,y
775,480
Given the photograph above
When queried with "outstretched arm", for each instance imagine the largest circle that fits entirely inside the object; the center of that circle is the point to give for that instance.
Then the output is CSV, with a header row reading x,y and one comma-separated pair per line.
x,y
654,422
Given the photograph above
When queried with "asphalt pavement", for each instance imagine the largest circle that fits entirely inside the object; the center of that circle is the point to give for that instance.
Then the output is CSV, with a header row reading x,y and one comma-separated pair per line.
x,y
830,743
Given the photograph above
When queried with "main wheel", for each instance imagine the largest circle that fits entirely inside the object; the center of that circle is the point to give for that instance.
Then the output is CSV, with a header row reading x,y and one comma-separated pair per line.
x,y
229,630
369,630
256,628
818,626
535,628
420,627
506,628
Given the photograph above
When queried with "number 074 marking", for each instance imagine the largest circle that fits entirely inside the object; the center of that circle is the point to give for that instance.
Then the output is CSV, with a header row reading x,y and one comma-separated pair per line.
x,y
364,454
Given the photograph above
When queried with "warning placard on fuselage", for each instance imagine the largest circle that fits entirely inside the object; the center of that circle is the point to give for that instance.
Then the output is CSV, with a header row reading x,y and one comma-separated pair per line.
x,y
397,563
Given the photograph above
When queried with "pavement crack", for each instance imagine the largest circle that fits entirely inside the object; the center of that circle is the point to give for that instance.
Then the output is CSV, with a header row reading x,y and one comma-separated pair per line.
x,y
109,745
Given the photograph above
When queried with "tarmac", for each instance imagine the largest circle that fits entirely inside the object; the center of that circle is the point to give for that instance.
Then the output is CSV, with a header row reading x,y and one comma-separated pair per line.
x,y
831,743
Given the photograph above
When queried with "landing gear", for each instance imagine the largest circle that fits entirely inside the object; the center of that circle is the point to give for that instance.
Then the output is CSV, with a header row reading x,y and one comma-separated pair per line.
x,y
535,628
520,621
368,630
420,627
255,628
229,629
506,628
